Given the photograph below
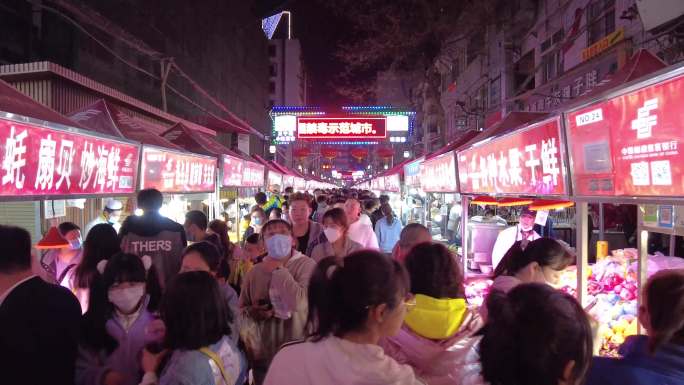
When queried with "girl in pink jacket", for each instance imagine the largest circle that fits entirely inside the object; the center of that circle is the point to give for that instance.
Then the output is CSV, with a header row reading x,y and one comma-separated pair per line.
x,y
351,307
434,337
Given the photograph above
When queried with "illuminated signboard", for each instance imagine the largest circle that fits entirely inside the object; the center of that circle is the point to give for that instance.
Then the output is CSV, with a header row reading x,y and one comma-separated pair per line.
x,y
42,161
299,184
412,173
527,161
341,127
630,145
176,172
253,174
392,183
288,181
439,174
274,178
284,127
232,171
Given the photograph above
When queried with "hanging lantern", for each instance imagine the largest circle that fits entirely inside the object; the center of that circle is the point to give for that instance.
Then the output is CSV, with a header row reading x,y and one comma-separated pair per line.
x,y
547,204
329,153
301,152
385,152
484,201
508,202
359,153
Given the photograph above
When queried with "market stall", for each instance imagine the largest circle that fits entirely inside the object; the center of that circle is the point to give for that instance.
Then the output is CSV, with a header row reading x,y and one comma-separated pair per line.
x,y
414,196
438,181
626,148
244,178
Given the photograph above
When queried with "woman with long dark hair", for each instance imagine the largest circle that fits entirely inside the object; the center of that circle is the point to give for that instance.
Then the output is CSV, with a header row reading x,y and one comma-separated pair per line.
x,y
101,243
351,307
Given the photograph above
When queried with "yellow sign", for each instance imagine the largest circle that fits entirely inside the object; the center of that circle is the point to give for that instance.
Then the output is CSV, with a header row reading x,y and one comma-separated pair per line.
x,y
603,44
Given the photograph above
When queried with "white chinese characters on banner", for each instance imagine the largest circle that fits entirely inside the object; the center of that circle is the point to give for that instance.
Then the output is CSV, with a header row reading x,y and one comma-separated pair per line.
x,y
336,128
46,163
14,160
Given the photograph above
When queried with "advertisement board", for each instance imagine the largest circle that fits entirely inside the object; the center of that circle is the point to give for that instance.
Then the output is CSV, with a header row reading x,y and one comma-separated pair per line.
x,y
412,173
176,172
351,127
630,145
439,174
527,161
232,171
392,183
42,161
252,174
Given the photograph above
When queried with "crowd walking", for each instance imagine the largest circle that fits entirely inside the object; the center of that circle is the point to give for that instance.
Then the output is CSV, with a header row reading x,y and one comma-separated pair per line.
x,y
325,288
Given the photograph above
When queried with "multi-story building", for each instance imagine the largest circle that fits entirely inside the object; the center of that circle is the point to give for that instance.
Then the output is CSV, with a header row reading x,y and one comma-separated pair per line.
x,y
547,53
180,57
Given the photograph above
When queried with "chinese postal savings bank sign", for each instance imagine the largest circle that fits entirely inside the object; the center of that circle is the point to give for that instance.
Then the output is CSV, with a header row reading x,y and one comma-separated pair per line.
x,y
40,161
630,145
175,172
341,128
527,161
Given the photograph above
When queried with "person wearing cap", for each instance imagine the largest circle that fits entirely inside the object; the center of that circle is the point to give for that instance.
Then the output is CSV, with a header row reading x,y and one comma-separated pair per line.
x,y
523,231
111,214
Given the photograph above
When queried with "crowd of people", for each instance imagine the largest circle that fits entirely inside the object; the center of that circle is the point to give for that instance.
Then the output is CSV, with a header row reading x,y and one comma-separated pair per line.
x,y
325,288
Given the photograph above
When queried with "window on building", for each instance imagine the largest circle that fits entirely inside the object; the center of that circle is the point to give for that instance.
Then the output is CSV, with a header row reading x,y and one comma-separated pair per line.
x,y
271,50
524,73
273,69
552,67
600,20
271,87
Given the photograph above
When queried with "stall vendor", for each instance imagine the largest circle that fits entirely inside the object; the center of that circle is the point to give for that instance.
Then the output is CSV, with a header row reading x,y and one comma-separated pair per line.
x,y
524,230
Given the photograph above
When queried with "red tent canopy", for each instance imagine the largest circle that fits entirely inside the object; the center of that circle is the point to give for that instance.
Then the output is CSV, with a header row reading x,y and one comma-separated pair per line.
x,y
198,142
509,123
12,100
106,118
454,144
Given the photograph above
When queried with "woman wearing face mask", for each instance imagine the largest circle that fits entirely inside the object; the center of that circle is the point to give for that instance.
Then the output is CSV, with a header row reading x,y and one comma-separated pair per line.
x,y
351,307
59,262
100,244
273,297
256,222
335,228
117,325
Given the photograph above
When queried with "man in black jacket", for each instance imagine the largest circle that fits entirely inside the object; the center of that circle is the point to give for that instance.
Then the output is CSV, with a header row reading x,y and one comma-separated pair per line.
x,y
39,322
154,235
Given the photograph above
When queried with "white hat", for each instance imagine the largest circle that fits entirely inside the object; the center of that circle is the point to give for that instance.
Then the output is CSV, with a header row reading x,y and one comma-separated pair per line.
x,y
113,204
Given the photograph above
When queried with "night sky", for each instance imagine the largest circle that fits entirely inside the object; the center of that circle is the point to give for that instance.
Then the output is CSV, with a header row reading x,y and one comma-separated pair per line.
x,y
319,30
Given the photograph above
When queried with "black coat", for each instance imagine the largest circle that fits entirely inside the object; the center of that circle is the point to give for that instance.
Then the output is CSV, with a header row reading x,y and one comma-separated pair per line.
x,y
39,324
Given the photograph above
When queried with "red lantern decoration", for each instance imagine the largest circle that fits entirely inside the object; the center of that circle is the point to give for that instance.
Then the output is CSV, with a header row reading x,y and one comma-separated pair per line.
x,y
301,152
359,153
329,152
385,152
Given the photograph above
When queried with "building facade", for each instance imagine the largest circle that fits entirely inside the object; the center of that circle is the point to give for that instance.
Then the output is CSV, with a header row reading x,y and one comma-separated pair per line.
x,y
547,53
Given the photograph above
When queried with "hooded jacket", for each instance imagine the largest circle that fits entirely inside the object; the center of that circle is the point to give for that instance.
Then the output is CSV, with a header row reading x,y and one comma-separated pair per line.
x,y
434,339
638,367
334,360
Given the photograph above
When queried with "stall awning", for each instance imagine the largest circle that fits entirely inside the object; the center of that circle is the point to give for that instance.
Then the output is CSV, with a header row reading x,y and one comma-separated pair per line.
x,y
106,118
642,63
454,144
198,142
231,124
512,121
12,100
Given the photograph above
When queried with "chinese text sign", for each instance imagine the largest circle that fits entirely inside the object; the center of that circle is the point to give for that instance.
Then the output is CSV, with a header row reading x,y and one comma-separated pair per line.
x,y
341,128
439,174
412,173
175,172
232,171
392,183
527,161
630,145
43,161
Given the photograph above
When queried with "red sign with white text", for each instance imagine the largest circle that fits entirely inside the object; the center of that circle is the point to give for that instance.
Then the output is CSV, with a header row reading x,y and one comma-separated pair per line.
x,y
341,128
299,184
232,171
392,183
253,175
527,161
631,145
288,181
175,172
275,178
439,174
41,161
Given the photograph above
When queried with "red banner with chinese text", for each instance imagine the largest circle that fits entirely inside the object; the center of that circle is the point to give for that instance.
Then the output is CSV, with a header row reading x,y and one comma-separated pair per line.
x,y
439,174
630,145
392,183
253,174
527,162
175,172
41,161
232,171
341,127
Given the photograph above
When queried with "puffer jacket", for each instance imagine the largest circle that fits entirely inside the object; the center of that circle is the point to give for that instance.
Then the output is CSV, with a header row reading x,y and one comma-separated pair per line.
x,y
436,340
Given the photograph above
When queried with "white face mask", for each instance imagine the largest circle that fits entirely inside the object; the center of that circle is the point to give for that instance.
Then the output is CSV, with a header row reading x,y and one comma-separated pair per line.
x,y
332,234
127,298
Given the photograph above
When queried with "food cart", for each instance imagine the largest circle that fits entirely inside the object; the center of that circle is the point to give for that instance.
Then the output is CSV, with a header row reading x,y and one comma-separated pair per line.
x,y
414,196
438,181
244,178
627,147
